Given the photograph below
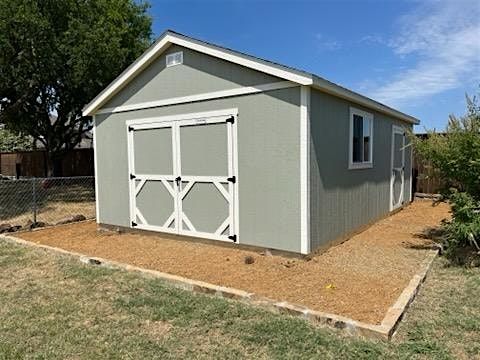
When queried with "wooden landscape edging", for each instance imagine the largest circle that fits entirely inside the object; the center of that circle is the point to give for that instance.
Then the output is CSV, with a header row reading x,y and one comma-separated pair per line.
x,y
385,330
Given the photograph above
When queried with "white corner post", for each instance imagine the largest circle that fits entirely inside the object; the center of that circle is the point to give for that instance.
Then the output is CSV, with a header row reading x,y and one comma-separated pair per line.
x,y
95,170
411,170
304,169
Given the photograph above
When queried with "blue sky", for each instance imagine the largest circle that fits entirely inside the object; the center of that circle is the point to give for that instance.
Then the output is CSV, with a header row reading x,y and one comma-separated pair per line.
x,y
420,57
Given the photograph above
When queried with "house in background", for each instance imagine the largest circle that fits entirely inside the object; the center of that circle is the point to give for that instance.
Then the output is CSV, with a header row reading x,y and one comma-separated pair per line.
x,y
195,139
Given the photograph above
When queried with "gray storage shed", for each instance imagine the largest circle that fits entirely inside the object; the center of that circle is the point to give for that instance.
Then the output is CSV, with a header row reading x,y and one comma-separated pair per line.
x,y
199,140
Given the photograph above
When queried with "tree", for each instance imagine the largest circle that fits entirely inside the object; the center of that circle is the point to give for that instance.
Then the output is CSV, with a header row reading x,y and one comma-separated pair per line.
x,y
56,56
10,141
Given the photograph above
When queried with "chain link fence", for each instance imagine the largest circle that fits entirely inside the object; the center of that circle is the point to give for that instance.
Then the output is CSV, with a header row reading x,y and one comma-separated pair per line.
x,y
37,202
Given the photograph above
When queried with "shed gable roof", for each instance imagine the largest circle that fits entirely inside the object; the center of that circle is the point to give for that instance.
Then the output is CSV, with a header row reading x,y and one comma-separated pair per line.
x,y
288,73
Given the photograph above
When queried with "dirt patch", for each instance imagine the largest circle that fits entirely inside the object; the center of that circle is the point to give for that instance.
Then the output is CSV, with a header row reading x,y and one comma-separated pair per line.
x,y
359,279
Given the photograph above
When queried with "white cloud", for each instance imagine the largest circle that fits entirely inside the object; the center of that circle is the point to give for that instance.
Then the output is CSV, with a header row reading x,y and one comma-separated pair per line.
x,y
373,39
326,43
444,40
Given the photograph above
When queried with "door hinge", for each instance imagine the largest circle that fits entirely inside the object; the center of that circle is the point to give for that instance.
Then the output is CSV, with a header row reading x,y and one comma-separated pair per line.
x,y
233,238
231,120
134,224
130,128
232,179
132,177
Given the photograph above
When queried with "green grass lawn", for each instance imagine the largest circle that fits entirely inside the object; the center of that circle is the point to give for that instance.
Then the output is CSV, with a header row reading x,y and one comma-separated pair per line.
x,y
56,307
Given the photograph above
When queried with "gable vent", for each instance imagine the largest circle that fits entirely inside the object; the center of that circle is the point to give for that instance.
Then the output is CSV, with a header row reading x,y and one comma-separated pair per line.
x,y
174,59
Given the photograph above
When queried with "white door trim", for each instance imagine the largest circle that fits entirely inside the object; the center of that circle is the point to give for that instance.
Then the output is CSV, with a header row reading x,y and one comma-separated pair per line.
x,y
188,116
397,130
230,195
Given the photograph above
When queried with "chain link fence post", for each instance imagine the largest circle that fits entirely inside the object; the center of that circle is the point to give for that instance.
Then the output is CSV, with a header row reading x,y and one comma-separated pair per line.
x,y
34,201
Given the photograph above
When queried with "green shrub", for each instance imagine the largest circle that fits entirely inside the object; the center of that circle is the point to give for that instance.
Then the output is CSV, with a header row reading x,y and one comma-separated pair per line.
x,y
10,141
462,232
455,155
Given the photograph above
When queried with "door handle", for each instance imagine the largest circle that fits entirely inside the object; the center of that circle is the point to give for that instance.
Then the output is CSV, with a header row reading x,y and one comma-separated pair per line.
x,y
177,180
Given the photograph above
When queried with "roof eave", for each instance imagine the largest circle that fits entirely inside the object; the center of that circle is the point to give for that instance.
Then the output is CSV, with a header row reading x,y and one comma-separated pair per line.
x,y
334,89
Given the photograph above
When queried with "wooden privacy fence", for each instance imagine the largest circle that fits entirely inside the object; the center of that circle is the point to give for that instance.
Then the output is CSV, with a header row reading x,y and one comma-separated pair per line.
x,y
425,178
79,162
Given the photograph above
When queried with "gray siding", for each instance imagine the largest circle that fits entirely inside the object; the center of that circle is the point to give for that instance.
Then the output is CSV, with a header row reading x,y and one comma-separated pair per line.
x,y
198,74
268,164
343,200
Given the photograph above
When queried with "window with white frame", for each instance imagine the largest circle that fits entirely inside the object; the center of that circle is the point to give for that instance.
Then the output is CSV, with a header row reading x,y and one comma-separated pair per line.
x,y
361,139
174,59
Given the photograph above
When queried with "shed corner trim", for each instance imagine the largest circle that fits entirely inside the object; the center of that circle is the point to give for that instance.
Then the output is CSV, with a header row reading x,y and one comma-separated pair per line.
x,y
305,170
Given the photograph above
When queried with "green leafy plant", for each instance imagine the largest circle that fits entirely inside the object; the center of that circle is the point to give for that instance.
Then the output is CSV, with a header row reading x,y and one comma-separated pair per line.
x,y
462,233
455,155
10,141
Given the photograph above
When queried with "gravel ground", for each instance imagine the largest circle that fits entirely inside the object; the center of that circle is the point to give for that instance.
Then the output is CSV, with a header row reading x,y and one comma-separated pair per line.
x,y
359,279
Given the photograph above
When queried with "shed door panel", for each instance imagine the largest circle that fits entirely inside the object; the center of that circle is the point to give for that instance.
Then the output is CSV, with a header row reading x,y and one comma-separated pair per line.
x,y
204,150
153,151
154,190
156,204
205,207
206,195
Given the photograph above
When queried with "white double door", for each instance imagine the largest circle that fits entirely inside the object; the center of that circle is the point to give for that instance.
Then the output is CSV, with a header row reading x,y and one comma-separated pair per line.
x,y
182,176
